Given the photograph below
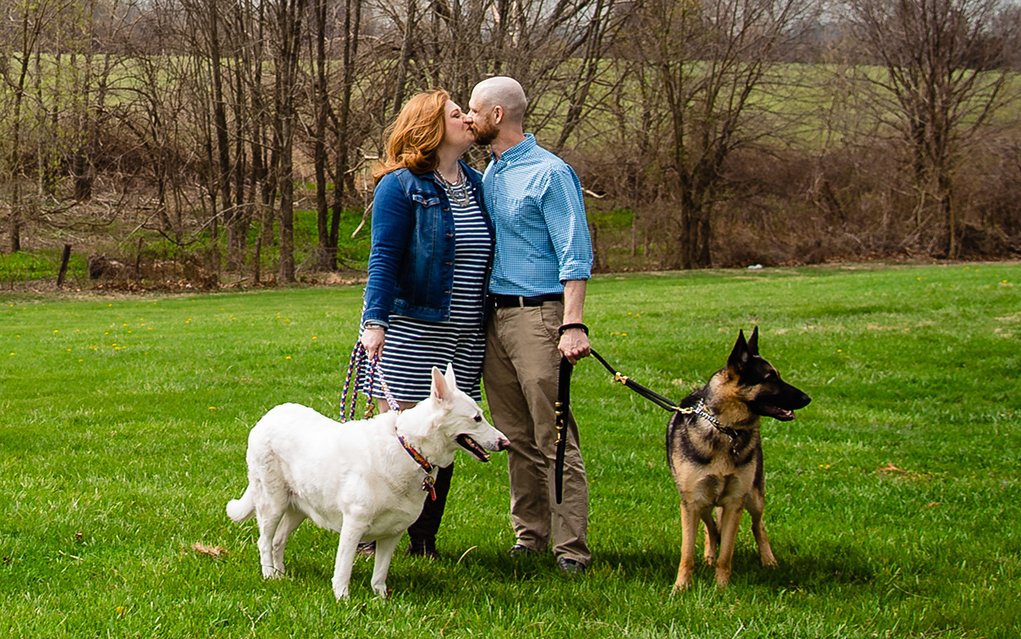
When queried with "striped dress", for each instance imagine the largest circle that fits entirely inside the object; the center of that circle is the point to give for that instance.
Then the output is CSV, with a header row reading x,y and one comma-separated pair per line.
x,y
414,346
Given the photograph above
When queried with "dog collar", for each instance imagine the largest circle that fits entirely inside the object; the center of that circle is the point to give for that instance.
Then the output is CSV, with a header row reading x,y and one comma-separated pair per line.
x,y
702,410
429,483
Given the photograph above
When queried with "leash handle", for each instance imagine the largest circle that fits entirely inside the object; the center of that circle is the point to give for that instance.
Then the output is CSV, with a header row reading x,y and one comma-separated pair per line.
x,y
353,366
357,360
561,411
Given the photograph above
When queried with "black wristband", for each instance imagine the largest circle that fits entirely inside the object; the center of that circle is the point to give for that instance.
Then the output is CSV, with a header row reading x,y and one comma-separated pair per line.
x,y
570,326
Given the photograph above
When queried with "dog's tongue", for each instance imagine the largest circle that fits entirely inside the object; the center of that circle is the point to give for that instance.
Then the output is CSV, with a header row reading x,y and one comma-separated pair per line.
x,y
784,415
778,413
471,446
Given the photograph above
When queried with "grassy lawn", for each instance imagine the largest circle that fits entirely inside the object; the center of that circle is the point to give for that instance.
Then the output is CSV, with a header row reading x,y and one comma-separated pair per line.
x,y
892,499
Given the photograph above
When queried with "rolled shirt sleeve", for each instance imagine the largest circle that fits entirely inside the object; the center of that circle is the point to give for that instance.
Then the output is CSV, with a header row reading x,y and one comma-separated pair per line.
x,y
563,207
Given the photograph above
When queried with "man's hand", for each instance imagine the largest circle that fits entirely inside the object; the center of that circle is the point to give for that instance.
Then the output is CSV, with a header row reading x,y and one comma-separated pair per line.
x,y
574,341
574,345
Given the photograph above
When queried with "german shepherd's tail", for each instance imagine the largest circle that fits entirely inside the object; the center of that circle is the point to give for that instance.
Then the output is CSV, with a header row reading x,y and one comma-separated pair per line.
x,y
242,509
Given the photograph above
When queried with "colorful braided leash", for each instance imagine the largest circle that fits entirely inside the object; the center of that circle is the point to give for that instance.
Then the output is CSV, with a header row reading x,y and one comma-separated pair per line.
x,y
358,357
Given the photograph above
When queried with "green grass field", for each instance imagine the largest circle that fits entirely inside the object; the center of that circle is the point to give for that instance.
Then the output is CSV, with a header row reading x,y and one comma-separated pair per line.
x,y
892,499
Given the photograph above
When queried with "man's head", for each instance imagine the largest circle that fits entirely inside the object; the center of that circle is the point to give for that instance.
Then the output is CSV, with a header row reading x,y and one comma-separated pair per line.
x,y
497,104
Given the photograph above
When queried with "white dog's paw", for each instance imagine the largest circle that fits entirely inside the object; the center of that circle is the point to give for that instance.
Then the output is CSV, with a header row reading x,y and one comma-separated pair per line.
x,y
381,591
269,572
340,591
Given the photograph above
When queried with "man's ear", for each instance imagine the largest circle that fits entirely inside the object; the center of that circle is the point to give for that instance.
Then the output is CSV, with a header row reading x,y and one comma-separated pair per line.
x,y
498,114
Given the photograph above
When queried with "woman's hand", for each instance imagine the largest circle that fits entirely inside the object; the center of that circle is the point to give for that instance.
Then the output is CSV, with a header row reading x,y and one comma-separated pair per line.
x,y
373,338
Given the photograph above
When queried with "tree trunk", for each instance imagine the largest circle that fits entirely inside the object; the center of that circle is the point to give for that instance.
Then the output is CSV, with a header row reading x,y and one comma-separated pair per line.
x,y
321,113
402,64
290,16
352,28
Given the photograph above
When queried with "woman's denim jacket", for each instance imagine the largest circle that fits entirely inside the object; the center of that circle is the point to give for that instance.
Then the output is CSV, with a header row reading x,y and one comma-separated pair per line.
x,y
411,264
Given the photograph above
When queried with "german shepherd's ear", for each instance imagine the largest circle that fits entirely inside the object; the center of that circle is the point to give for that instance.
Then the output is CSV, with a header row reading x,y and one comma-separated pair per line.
x,y
740,356
753,342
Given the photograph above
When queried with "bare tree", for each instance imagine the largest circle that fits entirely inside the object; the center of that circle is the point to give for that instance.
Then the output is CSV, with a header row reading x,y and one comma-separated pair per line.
x,y
30,21
290,15
345,135
698,68
944,69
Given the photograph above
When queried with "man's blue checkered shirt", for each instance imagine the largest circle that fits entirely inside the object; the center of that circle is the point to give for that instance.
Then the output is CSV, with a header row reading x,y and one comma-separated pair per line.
x,y
534,199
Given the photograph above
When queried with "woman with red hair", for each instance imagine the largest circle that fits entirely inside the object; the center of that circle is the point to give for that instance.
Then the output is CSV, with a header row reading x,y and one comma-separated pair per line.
x,y
432,249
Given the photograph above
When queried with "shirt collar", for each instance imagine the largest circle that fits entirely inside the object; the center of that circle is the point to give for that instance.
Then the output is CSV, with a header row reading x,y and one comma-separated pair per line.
x,y
518,149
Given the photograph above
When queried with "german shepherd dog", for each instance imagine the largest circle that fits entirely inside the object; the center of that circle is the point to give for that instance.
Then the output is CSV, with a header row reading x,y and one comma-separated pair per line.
x,y
715,454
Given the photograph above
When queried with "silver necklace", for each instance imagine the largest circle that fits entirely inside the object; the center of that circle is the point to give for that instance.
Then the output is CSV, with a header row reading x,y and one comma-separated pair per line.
x,y
458,192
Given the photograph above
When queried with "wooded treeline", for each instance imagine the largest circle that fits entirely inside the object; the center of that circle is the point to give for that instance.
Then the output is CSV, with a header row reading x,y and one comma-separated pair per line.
x,y
708,132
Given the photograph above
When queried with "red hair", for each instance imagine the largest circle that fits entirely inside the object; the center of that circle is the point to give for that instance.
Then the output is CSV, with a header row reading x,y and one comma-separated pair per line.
x,y
412,139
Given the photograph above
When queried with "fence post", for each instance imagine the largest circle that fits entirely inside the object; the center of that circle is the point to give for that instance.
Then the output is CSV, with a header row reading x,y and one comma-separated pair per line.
x,y
63,265
258,258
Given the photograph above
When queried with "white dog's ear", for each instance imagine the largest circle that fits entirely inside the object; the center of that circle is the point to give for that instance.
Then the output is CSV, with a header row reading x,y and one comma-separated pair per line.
x,y
440,390
451,381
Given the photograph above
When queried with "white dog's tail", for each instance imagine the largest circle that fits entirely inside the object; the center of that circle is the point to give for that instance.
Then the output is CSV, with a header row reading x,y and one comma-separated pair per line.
x,y
242,509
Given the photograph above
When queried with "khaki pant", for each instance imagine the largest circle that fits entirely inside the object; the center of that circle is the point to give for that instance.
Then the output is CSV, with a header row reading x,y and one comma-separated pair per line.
x,y
520,378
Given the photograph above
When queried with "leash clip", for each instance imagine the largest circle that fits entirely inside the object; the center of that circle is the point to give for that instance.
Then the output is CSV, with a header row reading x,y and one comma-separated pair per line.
x,y
429,486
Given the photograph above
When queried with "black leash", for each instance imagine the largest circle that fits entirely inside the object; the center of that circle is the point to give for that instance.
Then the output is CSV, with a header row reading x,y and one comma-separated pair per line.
x,y
648,394
564,399
699,409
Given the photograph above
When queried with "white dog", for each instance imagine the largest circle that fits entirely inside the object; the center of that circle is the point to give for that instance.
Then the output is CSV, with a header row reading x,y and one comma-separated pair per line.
x,y
366,479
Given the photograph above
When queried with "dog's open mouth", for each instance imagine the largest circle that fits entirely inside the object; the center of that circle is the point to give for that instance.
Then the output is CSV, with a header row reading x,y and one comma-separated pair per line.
x,y
472,447
775,412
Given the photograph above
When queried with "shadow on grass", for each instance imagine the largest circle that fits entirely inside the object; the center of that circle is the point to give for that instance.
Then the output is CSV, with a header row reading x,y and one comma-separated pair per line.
x,y
816,569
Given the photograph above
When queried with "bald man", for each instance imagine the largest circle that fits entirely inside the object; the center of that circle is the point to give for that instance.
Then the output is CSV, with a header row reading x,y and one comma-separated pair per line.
x,y
542,262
